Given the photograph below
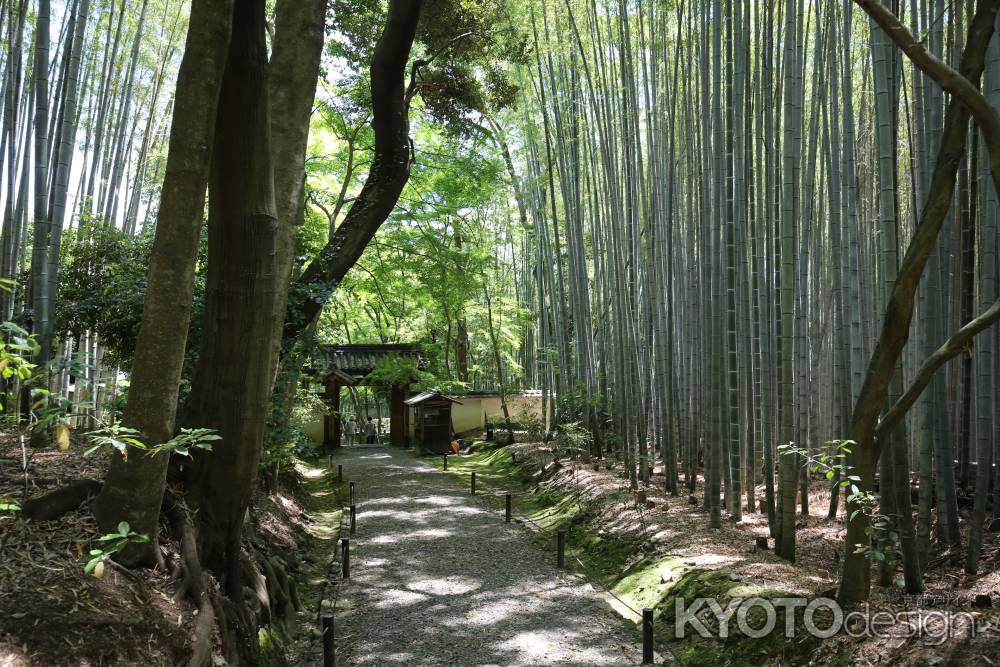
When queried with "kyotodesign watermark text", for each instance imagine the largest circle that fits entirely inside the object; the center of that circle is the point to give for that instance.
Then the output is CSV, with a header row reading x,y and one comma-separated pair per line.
x,y
758,617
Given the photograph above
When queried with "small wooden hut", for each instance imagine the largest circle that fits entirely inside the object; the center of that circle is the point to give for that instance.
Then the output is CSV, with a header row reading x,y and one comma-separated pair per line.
x,y
432,422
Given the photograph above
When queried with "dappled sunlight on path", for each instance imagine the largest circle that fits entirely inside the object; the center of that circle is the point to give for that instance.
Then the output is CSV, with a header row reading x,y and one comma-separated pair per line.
x,y
440,579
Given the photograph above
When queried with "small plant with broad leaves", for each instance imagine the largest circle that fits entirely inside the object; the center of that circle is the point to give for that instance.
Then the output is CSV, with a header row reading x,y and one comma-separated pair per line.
x,y
51,412
122,438
534,427
111,544
7,505
833,465
17,347
573,439
116,436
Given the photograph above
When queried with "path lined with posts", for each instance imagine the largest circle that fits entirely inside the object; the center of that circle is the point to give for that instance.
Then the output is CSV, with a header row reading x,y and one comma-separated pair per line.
x,y
438,578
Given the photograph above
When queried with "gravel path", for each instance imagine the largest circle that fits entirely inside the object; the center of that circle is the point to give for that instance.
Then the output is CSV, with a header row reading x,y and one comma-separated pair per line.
x,y
439,579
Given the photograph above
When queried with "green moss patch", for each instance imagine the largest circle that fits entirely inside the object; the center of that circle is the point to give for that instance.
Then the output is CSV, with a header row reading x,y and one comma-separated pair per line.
x,y
641,580
645,583
492,463
736,650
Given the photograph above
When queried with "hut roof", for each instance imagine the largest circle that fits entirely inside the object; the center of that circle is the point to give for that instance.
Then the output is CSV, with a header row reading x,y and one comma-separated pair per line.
x,y
429,396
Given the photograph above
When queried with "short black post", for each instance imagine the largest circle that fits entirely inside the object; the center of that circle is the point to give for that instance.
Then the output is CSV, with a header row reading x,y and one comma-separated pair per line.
x,y
329,646
340,473
352,493
345,552
329,462
354,517
445,461
473,482
561,549
508,503
647,636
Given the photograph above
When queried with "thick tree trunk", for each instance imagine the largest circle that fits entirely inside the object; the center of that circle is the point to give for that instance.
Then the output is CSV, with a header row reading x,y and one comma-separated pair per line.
x,y
231,388
789,466
133,489
295,60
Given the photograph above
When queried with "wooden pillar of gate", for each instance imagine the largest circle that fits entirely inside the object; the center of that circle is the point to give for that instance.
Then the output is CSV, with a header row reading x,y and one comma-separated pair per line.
x,y
406,415
332,427
397,415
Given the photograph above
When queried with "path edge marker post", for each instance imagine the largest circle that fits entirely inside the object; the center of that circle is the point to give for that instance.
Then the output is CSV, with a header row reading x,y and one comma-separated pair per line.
x,y
340,472
507,511
647,636
345,550
561,549
329,645
473,489
354,516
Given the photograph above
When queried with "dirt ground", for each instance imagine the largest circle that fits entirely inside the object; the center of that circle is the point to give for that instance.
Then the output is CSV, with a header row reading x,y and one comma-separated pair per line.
x,y
52,613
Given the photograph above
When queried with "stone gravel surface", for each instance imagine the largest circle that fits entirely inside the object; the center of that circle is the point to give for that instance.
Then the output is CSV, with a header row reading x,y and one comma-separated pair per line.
x,y
438,578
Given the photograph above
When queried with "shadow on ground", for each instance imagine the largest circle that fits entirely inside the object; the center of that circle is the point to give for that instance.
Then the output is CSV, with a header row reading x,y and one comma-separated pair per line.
x,y
438,578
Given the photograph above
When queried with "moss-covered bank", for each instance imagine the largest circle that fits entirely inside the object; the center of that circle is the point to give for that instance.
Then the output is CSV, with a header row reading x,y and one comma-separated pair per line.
x,y
637,572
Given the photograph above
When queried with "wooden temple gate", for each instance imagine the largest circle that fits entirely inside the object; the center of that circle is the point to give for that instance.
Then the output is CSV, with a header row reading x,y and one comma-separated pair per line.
x,y
349,366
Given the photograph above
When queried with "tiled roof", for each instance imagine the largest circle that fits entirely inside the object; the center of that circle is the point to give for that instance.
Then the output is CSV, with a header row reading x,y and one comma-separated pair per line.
x,y
359,360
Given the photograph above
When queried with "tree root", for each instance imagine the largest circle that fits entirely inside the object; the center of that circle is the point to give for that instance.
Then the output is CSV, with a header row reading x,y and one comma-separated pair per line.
x,y
194,587
56,503
269,597
284,599
290,596
256,594
201,645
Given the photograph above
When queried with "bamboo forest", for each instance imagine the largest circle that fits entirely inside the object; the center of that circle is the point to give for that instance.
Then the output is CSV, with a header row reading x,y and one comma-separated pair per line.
x,y
457,333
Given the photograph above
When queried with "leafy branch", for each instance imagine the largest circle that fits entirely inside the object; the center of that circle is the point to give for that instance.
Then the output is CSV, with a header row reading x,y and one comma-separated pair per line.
x,y
123,438
835,468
